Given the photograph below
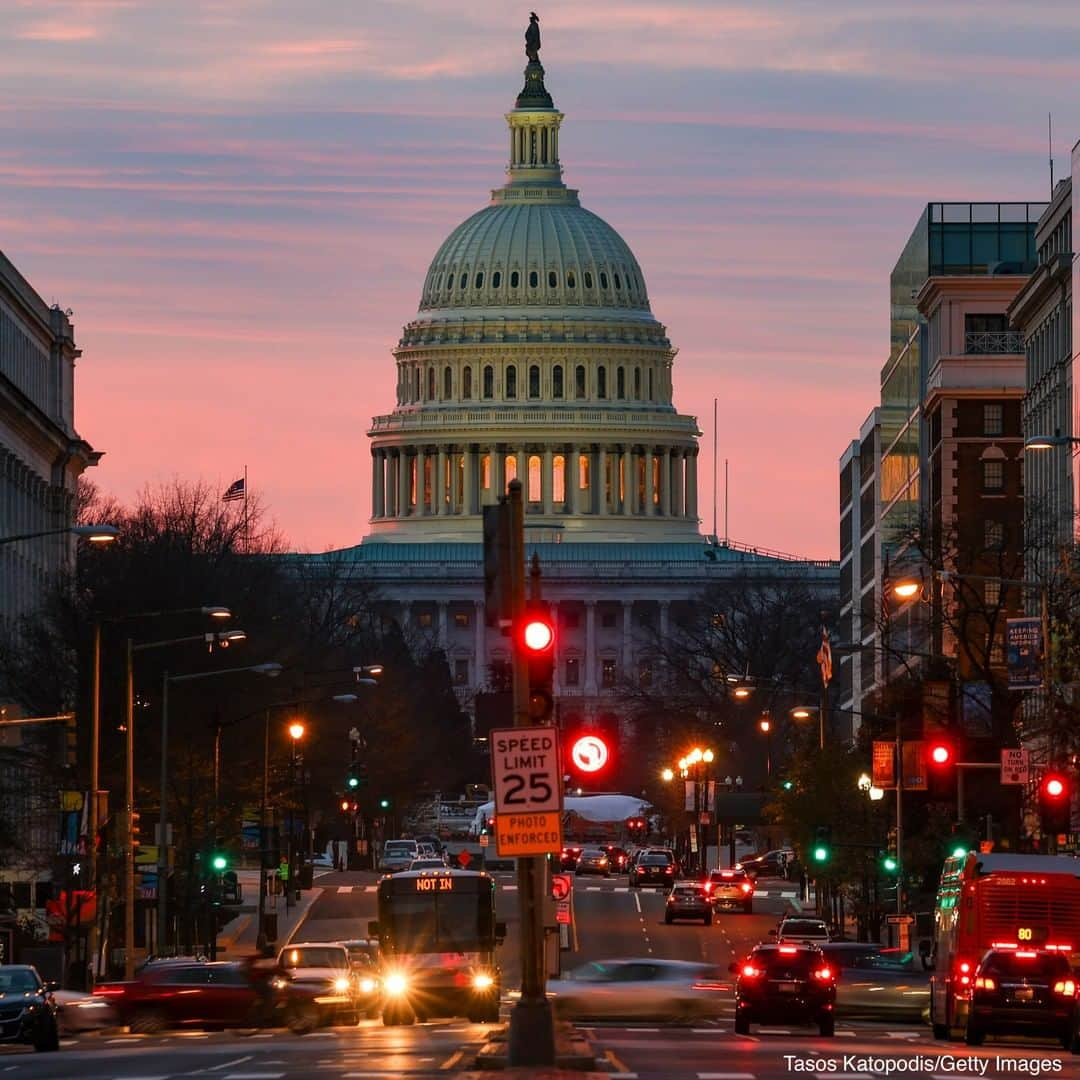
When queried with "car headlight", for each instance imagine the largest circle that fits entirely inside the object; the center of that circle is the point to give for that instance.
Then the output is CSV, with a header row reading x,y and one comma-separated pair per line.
x,y
279,984
396,984
342,985
368,985
482,981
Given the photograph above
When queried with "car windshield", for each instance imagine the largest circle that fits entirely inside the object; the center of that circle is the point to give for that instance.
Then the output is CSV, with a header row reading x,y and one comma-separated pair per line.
x,y
314,956
654,860
399,847
1017,965
773,960
444,922
689,891
427,864
19,980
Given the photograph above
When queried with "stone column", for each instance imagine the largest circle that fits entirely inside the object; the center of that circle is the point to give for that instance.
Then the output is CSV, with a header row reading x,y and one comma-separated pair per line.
x,y
421,500
470,479
665,482
590,647
546,481
439,487
379,484
601,480
677,482
627,638
691,485
625,499
570,480
442,606
479,644
403,483
498,472
455,479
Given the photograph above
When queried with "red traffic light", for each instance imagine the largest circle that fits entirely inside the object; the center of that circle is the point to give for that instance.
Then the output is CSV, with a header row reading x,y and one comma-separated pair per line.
x,y
589,753
1054,787
940,754
538,635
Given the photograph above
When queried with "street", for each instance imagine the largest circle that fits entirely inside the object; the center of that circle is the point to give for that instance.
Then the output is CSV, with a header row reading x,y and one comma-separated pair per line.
x,y
612,921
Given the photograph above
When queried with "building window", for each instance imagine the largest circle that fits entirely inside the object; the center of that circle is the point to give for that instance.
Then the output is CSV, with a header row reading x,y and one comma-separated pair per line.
x,y
637,384
620,384
994,533
515,279
583,472
650,385
601,382
535,486
496,279
993,475
991,593
618,283
462,619
588,280
447,383
485,471
553,279
534,279
556,381
607,673
466,383
558,478
645,673
571,281
994,419
511,468
607,620
424,619
573,671
579,381
431,384
534,380
461,672
511,382
603,280
479,280
416,384
489,382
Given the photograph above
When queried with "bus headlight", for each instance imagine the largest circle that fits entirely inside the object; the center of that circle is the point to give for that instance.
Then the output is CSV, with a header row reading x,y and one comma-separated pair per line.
x,y
367,986
482,981
396,984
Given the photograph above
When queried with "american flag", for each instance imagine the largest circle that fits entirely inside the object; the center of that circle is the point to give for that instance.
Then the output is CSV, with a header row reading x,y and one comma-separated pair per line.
x,y
234,491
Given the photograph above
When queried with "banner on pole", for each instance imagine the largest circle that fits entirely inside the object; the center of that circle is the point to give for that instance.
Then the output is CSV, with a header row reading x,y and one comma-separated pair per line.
x,y
884,764
1024,652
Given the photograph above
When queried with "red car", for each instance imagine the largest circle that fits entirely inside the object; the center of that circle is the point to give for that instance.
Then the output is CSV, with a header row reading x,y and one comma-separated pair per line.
x,y
180,993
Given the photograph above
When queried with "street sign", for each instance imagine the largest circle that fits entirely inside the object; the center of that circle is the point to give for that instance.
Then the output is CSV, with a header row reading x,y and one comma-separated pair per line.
x,y
884,764
484,839
562,912
1014,766
464,858
589,753
560,886
526,775
900,920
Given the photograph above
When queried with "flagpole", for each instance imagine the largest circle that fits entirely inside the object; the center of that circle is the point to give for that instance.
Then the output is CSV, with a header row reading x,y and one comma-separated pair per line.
x,y
247,541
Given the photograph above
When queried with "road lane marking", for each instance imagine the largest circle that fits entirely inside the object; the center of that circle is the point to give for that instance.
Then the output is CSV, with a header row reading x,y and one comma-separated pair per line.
x,y
774,1031
254,1076
229,1064
617,1064
371,888
637,901
593,888
344,888
759,895
641,1029
788,895
509,888
621,888
452,1061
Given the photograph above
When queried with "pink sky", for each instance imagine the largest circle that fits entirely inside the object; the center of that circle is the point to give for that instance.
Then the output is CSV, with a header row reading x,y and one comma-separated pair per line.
x,y
239,201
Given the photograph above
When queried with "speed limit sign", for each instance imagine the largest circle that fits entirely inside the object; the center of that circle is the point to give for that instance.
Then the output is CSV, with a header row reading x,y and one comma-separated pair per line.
x,y
526,775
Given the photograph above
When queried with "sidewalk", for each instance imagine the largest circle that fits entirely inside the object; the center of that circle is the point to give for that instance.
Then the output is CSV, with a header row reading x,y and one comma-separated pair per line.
x,y
239,936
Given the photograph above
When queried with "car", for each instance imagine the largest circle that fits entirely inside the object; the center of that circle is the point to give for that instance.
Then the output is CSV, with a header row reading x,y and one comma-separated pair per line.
x,y
321,986
433,842
878,983
397,854
653,869
568,857
785,984
27,1008
594,861
365,956
801,929
731,890
639,989
769,864
1018,991
78,1011
192,993
688,900
618,858
428,862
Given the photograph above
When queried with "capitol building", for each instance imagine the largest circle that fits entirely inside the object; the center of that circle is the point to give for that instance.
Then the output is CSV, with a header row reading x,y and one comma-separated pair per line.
x,y
535,355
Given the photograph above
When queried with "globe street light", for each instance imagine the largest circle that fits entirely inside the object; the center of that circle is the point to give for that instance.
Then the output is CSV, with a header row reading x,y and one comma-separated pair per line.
x,y
667,776
296,730
864,782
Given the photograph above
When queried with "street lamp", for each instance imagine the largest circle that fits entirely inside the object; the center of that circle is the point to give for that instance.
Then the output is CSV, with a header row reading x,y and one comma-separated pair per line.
x,y
765,727
864,782
296,730
805,712
1048,442
296,733
95,534
667,776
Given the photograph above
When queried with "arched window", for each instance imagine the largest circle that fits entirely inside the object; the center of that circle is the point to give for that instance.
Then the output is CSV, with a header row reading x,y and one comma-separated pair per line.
x,y
588,280
536,492
438,282
466,383
558,478
496,279
447,383
620,384
534,380
601,381
637,384
511,382
449,283
510,468
543,145
618,283
515,277
534,279
556,381
464,282
553,279
431,384
416,384
489,382
571,280
650,385
579,381
479,280
603,280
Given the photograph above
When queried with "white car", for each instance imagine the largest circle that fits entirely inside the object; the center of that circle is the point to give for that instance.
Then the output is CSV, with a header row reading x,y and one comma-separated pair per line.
x,y
797,930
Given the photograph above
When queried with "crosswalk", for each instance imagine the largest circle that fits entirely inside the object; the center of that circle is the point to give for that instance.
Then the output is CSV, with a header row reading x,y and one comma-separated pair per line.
x,y
759,894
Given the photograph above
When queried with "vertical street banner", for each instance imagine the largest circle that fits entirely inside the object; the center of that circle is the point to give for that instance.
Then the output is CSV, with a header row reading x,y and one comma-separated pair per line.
x,y
914,774
884,764
1024,652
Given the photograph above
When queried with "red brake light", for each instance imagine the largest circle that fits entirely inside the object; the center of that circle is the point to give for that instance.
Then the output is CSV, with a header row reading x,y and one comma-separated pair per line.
x,y
788,950
708,886
984,982
751,972
823,973
1058,948
641,869
746,886
1066,987
669,870
1003,945
965,967
1027,954
108,989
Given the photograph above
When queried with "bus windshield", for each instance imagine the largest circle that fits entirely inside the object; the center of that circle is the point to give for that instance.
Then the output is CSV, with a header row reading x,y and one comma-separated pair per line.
x,y
439,922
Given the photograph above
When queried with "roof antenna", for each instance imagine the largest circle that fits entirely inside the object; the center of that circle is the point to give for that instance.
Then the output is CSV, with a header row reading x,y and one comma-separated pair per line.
x,y
716,538
1050,147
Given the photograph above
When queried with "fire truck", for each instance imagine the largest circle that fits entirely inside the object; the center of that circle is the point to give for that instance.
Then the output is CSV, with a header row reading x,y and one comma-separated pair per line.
x,y
997,900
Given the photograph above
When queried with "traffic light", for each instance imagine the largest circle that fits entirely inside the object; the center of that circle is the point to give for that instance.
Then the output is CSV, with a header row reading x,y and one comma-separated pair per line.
x,y
961,841
536,640
941,772
889,863
135,832
821,852
355,777
219,862
1055,804
788,785
384,804
940,754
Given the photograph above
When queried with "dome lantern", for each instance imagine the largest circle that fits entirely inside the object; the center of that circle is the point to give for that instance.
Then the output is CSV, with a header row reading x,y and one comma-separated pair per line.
x,y
534,138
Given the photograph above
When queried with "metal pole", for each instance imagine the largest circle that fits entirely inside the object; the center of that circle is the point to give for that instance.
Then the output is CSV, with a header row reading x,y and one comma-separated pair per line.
x,y
163,819
211,923
260,940
129,810
95,824
899,815
959,795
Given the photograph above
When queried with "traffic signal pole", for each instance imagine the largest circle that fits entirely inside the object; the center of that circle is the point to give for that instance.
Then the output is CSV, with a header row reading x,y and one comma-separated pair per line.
x,y
531,1037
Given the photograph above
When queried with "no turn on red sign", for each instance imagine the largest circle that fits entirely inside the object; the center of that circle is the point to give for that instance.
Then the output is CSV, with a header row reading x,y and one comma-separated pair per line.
x,y
1014,766
526,776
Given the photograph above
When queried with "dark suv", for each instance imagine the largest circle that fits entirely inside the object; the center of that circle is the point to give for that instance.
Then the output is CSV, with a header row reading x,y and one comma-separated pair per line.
x,y
653,868
787,984
1022,991
27,1008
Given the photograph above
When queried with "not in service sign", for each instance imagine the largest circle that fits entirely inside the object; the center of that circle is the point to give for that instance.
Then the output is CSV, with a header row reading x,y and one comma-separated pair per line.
x,y
526,775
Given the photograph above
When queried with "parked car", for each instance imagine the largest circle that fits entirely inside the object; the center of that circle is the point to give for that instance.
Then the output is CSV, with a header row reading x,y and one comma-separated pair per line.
x,y
190,993
321,985
878,983
785,984
638,989
27,1008
688,900
594,861
397,855
731,890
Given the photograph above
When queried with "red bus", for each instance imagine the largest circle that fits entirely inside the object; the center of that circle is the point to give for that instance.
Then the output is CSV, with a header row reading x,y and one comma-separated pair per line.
x,y
987,900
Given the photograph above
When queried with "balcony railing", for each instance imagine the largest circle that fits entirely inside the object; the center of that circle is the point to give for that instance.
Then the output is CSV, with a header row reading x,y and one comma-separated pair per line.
x,y
993,342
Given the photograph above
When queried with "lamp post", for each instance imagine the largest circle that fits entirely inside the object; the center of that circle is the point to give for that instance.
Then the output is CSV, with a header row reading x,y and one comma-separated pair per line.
x,y
96,534
296,733
765,727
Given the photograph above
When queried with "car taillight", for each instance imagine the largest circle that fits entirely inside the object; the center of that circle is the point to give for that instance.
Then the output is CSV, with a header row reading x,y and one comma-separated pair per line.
x,y
984,982
751,972
788,950
641,869
668,870
708,887
1066,987
1003,945
111,990
824,974
1058,948
963,969
746,886
1027,954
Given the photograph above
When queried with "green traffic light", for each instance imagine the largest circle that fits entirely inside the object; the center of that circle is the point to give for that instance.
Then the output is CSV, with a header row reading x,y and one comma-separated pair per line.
x,y
821,853
219,862
890,864
788,785
354,781
959,852
385,804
